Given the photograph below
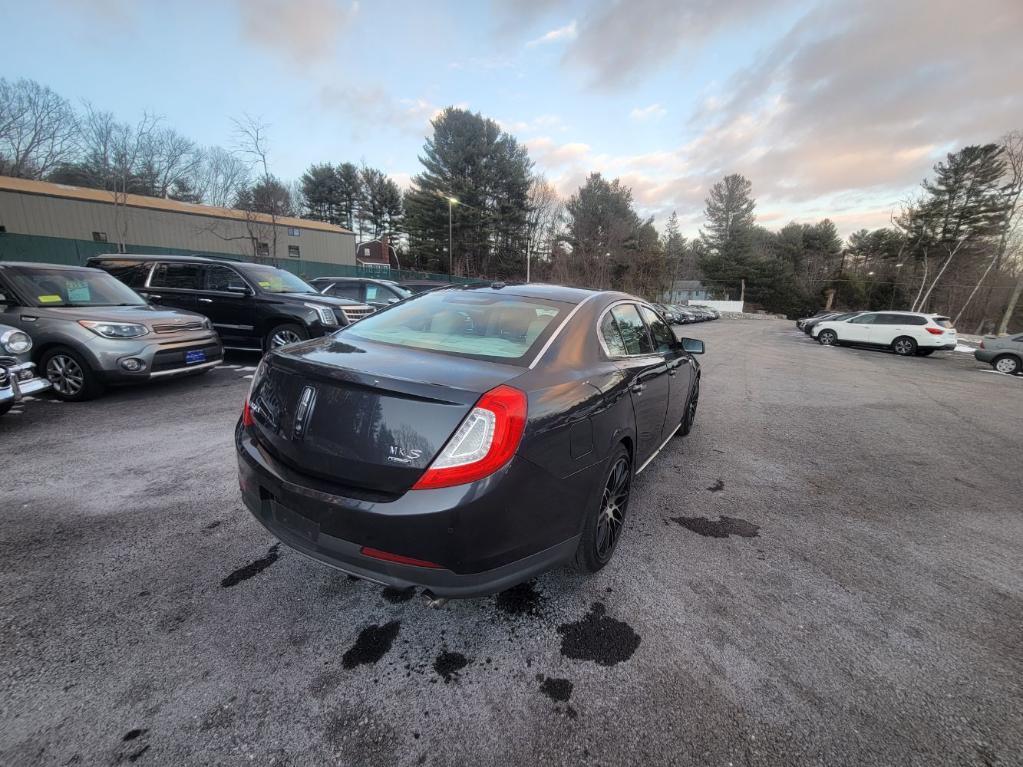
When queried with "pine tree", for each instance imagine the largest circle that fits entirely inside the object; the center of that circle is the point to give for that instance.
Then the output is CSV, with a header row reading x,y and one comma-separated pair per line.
x,y
730,218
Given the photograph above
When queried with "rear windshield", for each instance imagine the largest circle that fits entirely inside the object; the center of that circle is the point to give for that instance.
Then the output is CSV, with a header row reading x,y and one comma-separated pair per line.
x,y
72,287
943,322
504,328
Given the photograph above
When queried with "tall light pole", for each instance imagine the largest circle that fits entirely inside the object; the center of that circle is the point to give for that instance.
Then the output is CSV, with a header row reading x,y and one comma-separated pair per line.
x,y
452,202
898,268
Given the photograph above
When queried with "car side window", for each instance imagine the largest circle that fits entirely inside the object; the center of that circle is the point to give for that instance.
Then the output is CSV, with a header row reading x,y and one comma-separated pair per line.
x,y
345,290
865,319
1018,339
664,339
888,319
634,332
612,338
223,278
181,276
131,273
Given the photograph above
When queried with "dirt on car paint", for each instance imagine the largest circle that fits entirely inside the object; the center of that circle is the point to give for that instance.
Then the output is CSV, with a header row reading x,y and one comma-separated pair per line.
x,y
722,528
605,641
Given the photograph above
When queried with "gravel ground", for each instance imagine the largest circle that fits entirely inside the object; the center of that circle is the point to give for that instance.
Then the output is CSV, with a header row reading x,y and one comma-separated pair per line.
x,y
827,571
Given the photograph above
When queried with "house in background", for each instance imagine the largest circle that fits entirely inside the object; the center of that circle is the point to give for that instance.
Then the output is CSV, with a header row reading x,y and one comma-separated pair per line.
x,y
683,291
377,254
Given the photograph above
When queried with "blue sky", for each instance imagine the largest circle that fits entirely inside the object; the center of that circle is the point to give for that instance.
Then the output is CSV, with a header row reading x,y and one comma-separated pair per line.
x,y
831,108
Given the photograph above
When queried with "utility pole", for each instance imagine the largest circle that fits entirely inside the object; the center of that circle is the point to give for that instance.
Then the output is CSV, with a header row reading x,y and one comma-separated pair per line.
x,y
451,253
742,292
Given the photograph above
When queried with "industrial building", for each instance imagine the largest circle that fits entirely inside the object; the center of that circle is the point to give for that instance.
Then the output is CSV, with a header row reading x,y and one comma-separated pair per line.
x,y
54,223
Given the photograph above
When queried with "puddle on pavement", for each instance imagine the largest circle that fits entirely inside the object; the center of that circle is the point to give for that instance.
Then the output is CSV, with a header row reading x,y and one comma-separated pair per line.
x,y
599,638
373,643
252,568
722,528
523,599
559,690
448,664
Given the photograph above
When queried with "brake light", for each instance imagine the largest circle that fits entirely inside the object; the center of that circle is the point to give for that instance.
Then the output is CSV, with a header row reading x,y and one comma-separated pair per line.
x,y
935,331
484,442
247,414
387,556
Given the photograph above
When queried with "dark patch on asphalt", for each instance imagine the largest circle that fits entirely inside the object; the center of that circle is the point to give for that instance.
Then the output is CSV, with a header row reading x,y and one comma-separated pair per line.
x,y
252,568
603,640
132,734
372,645
214,524
135,755
724,527
718,486
397,596
448,664
523,599
559,690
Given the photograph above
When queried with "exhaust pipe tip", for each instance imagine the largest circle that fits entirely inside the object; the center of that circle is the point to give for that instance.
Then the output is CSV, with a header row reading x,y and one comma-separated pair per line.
x,y
434,602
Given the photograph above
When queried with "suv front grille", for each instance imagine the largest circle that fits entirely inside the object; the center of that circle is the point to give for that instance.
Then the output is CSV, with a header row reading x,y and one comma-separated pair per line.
x,y
355,313
177,327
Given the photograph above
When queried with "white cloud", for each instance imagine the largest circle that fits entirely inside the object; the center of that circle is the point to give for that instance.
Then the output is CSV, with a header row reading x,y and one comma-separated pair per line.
x,y
652,112
372,109
567,32
301,32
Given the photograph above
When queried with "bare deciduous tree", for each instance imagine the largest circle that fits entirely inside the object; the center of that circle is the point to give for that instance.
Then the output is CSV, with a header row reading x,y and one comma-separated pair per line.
x,y
219,176
251,143
38,129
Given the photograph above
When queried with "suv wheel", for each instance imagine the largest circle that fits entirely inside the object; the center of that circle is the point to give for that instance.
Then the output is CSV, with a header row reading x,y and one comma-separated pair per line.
x,y
1007,363
904,346
603,526
283,335
690,415
827,338
72,378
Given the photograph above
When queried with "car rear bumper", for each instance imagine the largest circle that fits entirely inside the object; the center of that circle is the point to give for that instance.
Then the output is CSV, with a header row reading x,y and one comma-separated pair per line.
x,y
987,355
485,536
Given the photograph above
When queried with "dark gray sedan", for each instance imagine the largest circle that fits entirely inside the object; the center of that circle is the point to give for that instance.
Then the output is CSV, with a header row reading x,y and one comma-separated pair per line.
x,y
1004,353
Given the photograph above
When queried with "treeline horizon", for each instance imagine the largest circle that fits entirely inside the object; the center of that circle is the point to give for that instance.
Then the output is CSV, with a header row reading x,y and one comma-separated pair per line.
x,y
954,248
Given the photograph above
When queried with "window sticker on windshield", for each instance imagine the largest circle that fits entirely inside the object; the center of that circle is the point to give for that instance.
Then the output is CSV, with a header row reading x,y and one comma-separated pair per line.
x,y
51,299
264,284
78,292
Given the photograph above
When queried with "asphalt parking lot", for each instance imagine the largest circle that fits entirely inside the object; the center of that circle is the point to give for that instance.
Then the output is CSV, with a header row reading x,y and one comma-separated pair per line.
x,y
827,571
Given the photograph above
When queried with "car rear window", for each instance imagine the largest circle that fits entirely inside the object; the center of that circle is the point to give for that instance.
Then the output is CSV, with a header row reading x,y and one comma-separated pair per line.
x,y
504,328
943,322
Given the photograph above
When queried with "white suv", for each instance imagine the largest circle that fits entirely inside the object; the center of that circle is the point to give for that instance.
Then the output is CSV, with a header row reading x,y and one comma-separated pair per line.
x,y
905,333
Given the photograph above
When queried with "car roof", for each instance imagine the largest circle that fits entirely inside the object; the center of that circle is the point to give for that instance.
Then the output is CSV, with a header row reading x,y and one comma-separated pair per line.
x,y
176,257
352,279
41,265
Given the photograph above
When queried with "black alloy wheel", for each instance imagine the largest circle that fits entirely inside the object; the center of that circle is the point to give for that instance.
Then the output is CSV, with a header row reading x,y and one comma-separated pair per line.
x,y
690,415
603,528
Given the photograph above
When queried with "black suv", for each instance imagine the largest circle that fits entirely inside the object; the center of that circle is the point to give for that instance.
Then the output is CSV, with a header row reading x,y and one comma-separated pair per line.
x,y
252,306
376,293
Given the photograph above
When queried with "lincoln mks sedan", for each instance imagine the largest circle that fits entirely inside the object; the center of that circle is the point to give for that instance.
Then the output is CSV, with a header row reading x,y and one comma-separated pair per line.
x,y
467,439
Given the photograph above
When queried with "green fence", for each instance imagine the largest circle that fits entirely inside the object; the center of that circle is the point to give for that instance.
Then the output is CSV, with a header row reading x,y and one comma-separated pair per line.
x,y
58,250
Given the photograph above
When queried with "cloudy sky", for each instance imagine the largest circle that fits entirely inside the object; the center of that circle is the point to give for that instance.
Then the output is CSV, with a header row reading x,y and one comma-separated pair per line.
x,y
831,108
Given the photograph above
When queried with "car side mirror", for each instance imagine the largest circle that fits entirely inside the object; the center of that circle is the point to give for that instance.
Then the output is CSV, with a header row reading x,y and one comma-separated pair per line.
x,y
692,345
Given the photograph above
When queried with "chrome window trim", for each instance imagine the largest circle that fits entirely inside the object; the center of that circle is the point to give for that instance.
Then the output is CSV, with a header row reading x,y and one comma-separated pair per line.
x,y
557,332
600,336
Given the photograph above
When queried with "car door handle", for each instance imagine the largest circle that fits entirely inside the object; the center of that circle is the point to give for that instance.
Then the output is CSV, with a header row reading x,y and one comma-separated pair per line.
x,y
205,300
152,296
637,388
29,318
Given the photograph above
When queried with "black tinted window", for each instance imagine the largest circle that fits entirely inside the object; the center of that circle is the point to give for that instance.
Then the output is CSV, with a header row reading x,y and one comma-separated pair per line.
x,y
663,337
345,290
185,276
630,325
612,338
131,273
223,278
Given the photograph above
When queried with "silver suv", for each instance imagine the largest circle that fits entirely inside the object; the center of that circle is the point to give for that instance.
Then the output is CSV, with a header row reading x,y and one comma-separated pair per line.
x,y
90,330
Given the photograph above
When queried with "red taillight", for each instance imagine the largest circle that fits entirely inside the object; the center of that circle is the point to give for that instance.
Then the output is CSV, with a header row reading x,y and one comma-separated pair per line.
x,y
982,343
387,556
246,414
500,417
935,331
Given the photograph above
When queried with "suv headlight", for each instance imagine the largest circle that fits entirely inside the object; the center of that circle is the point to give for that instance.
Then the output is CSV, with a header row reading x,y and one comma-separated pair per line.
x,y
115,329
326,315
15,342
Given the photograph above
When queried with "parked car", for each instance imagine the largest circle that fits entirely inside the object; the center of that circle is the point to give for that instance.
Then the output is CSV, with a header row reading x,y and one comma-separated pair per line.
x,y
669,313
817,315
1003,353
686,316
17,371
252,306
90,330
469,439
422,286
905,333
373,292
813,322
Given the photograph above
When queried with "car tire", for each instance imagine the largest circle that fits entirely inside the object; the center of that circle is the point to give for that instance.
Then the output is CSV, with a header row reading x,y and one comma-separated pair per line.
x,y
602,528
72,379
690,415
1007,363
827,337
925,352
904,346
5,406
286,333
